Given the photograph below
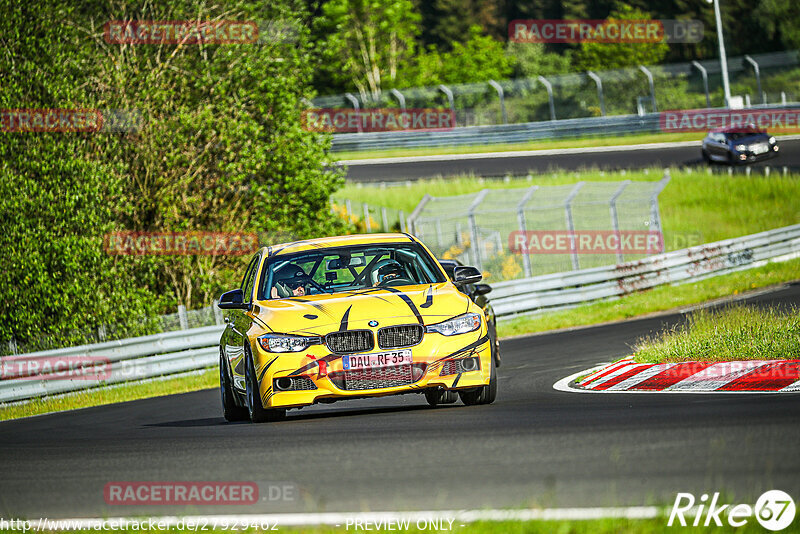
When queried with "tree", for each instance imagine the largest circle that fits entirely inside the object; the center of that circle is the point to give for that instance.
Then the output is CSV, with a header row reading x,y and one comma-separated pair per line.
x,y
220,148
479,59
603,56
532,59
368,42
781,18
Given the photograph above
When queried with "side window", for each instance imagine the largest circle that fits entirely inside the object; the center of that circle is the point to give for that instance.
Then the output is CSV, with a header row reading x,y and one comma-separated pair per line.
x,y
249,277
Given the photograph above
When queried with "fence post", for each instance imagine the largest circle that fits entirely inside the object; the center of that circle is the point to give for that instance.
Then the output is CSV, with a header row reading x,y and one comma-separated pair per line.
x,y
612,204
473,228
523,227
12,345
652,86
549,87
449,94
400,98
101,332
385,220
367,224
439,236
571,224
182,318
356,106
333,205
501,96
402,217
414,214
348,209
218,319
655,216
599,84
704,74
758,76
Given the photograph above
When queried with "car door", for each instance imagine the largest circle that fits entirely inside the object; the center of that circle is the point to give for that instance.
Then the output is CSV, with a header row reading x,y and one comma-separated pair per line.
x,y
238,323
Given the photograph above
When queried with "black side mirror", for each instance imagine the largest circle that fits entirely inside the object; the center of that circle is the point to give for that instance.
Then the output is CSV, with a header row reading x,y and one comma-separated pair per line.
x,y
482,289
463,275
232,300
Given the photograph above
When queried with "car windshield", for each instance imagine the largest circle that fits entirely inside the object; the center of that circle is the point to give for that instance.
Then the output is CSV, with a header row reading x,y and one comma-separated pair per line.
x,y
353,268
739,135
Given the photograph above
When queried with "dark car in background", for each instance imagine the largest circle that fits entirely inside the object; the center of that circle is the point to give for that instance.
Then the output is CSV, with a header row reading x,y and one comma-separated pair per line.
x,y
477,293
736,146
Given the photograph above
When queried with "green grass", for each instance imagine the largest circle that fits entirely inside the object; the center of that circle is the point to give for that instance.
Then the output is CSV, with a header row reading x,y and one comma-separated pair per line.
x,y
734,333
544,144
598,526
696,207
111,394
654,300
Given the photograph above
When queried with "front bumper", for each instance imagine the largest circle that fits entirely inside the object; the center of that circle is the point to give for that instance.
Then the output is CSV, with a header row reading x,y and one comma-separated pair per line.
x,y
750,157
329,380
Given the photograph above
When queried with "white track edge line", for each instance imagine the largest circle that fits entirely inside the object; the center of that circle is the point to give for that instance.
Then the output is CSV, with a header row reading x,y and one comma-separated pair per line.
x,y
528,153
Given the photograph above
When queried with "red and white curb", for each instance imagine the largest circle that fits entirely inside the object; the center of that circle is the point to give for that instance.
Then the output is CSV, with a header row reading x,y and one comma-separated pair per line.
x,y
627,376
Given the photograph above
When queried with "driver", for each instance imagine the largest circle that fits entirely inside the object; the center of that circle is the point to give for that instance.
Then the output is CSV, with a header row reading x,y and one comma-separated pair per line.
x,y
388,271
289,281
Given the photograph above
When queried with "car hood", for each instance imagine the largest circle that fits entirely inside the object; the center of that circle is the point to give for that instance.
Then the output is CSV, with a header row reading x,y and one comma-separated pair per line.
x,y
320,314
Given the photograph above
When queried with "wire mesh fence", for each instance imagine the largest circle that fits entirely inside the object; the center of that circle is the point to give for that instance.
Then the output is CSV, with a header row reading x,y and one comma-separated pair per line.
x,y
770,78
523,232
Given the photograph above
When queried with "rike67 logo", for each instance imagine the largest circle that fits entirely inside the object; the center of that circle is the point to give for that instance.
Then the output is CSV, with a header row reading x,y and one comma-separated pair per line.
x,y
774,510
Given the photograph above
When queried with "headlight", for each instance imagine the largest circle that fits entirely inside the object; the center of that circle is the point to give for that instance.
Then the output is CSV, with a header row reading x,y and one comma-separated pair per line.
x,y
772,140
457,325
741,148
282,343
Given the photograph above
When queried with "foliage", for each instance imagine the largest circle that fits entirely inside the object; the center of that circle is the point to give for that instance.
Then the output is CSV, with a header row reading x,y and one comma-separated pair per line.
x,y
532,59
479,59
220,148
367,42
602,56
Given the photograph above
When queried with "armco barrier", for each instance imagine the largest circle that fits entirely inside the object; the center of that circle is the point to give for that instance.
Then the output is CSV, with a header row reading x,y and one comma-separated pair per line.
x,y
186,350
561,290
509,133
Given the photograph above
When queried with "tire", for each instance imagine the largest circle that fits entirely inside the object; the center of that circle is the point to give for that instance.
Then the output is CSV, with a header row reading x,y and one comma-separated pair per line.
x,y
255,409
230,410
495,347
441,396
706,157
484,394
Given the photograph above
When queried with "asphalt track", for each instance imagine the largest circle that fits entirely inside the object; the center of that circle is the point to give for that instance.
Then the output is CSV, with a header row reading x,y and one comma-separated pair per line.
x,y
533,447
498,166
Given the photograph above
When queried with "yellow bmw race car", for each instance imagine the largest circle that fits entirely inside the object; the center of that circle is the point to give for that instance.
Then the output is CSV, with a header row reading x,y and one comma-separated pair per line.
x,y
348,317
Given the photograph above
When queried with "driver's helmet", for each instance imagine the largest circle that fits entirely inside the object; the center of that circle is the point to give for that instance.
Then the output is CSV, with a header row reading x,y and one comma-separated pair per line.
x,y
390,269
290,277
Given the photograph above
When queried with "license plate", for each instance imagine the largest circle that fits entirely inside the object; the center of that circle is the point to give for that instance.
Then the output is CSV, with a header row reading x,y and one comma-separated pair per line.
x,y
380,359
759,149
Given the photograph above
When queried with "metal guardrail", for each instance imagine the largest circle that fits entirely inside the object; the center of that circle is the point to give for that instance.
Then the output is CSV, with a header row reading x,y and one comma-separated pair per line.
x,y
508,133
564,290
186,350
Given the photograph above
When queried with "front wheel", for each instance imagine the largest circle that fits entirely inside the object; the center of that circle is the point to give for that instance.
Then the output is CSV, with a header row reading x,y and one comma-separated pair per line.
x,y
254,406
230,410
484,394
440,396
706,157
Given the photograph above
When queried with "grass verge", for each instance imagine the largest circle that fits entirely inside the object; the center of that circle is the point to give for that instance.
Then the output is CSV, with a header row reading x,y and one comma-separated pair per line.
x,y
696,206
734,333
543,144
661,298
111,394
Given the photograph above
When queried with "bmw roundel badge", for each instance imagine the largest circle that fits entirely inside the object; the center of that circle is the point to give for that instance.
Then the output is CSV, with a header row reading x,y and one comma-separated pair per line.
x,y
373,323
